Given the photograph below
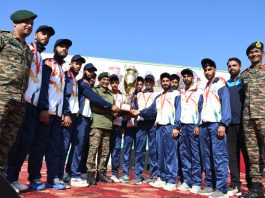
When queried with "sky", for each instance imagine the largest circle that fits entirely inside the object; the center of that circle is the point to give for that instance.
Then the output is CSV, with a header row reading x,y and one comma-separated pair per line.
x,y
174,32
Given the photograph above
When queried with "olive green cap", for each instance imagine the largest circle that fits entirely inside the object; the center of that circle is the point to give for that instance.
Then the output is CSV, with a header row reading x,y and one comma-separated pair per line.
x,y
22,15
103,75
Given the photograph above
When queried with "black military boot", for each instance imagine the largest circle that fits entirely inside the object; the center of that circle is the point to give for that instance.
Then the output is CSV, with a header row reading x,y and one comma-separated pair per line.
x,y
102,177
256,191
91,178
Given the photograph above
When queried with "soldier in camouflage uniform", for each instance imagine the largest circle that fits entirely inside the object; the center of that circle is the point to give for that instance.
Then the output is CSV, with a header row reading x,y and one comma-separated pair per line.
x,y
254,114
15,61
99,137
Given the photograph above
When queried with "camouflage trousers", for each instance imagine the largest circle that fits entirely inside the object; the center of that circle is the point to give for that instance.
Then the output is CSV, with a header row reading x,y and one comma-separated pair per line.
x,y
11,118
99,141
254,131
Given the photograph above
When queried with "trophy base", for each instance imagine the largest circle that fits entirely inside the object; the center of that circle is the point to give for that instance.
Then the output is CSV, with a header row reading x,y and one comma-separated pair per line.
x,y
125,107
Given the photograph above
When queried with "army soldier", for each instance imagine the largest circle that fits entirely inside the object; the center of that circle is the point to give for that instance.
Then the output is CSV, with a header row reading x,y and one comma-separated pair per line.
x,y
15,61
254,114
99,137
26,133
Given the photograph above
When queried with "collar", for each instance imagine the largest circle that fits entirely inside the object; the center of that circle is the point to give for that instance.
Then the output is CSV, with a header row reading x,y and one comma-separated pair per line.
x,y
40,47
193,87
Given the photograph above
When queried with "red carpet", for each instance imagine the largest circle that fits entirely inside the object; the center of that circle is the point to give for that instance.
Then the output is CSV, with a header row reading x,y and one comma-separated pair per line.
x,y
107,190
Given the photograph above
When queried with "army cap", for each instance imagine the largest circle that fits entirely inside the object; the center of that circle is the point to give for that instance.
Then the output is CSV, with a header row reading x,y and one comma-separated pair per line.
x,y
208,62
175,77
103,75
63,41
78,57
165,75
149,77
256,44
22,15
90,66
114,77
187,71
47,28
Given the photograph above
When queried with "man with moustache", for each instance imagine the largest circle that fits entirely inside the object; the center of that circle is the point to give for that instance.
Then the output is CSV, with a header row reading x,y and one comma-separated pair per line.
x,y
69,120
99,137
49,134
15,61
235,136
187,127
163,110
26,133
215,118
175,81
253,115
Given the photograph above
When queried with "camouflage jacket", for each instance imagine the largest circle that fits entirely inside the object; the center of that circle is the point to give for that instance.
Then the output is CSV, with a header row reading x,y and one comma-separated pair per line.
x,y
15,61
254,87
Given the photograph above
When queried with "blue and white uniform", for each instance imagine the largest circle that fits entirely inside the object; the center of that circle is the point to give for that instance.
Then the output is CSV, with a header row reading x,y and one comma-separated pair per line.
x,y
48,137
163,110
215,112
26,133
187,118
145,127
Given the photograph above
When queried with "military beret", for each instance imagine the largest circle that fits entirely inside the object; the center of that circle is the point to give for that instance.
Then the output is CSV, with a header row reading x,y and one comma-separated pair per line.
x,y
90,66
22,15
149,77
78,57
46,27
175,77
103,75
187,71
208,62
114,77
63,41
256,44
165,75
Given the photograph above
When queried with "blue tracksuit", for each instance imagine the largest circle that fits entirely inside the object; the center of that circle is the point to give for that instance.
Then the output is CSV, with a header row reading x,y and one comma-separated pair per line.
x,y
115,147
166,145
216,101
187,118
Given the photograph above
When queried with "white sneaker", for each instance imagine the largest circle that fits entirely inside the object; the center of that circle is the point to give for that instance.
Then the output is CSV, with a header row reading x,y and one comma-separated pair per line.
x,y
195,189
78,182
170,187
234,191
158,183
115,179
184,187
206,191
218,194
19,186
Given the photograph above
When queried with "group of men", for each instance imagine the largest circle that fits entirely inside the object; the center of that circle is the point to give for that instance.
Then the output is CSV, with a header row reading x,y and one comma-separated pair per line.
x,y
45,111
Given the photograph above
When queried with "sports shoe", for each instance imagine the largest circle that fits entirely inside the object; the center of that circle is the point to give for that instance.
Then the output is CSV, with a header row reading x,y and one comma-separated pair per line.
x,y
195,189
115,179
206,191
19,186
170,187
158,183
144,180
234,191
67,186
56,184
218,194
36,185
66,177
78,182
124,179
184,187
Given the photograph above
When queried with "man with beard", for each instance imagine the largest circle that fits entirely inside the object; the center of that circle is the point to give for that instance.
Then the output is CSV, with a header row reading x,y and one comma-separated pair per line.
x,y
49,134
163,110
235,136
175,81
70,111
15,61
253,115
99,137
145,127
187,126
26,133
215,118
